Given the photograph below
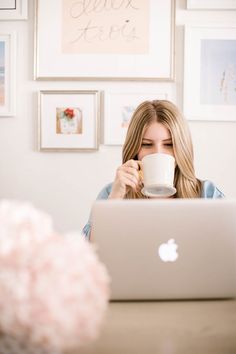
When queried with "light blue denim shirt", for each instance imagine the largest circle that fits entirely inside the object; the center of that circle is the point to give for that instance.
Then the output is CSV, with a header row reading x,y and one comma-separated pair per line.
x,y
209,190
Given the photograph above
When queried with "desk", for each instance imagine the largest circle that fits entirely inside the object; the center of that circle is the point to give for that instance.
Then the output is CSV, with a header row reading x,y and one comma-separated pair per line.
x,y
168,327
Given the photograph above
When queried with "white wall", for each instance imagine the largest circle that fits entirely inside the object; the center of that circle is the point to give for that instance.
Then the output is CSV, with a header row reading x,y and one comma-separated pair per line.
x,y
65,184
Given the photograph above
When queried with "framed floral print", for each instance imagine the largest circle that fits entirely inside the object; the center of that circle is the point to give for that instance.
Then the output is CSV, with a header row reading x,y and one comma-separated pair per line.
x,y
68,120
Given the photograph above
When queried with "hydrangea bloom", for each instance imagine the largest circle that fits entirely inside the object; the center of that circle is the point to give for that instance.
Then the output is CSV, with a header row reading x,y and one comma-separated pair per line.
x,y
53,289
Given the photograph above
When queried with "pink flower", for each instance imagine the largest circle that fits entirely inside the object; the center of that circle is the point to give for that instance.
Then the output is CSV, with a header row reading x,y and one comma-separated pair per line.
x,y
20,225
53,289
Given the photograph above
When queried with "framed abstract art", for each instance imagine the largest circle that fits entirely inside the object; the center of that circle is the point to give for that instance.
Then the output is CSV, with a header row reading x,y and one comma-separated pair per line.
x,y
210,73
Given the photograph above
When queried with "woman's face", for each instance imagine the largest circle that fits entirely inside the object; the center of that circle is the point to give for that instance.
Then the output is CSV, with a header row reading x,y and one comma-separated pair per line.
x,y
156,139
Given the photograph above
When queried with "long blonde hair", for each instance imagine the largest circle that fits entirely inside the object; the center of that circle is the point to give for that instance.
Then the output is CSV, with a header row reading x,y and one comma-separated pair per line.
x,y
166,113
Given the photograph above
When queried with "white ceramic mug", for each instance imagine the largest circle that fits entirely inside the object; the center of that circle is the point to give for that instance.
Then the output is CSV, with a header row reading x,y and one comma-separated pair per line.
x,y
158,175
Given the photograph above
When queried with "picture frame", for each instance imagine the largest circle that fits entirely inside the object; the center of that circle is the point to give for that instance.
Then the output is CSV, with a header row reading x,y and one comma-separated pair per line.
x,y
13,10
210,73
122,40
211,4
118,110
7,73
68,120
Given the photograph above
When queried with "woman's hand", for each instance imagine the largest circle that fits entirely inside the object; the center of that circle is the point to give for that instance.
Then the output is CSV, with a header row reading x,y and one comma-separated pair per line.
x,y
127,178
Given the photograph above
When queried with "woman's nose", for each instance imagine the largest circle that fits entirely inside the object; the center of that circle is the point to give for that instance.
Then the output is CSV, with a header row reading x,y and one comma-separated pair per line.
x,y
158,149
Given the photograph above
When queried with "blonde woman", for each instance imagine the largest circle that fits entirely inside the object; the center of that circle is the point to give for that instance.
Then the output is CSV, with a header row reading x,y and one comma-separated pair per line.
x,y
157,127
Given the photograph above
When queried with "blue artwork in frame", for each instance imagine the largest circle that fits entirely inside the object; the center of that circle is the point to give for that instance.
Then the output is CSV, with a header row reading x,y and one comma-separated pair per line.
x,y
218,72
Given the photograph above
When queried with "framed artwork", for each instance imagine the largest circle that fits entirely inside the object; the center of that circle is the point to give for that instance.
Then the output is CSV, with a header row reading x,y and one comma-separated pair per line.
x,y
211,4
13,9
118,110
68,120
129,39
210,73
7,73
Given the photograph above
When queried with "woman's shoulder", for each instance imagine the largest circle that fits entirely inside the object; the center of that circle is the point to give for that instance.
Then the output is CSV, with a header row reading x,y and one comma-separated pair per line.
x,y
209,190
105,192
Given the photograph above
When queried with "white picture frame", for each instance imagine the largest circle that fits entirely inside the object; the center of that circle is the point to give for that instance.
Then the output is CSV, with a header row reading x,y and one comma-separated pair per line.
x,y
210,73
13,10
68,120
211,4
7,73
119,44
118,110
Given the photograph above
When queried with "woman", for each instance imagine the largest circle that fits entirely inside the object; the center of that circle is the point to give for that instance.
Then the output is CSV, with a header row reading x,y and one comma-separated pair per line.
x,y
157,127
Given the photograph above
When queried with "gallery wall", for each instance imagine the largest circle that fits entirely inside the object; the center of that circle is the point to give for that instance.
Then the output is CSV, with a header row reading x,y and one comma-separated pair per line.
x,y
65,183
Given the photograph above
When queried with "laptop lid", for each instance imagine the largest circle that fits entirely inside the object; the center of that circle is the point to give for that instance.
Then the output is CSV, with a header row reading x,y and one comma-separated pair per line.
x,y
167,249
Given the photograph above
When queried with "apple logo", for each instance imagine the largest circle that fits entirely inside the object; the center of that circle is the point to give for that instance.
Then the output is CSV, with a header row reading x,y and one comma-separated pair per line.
x,y
167,251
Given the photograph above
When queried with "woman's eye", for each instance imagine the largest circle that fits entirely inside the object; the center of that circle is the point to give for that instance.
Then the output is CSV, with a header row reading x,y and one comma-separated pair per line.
x,y
169,145
146,145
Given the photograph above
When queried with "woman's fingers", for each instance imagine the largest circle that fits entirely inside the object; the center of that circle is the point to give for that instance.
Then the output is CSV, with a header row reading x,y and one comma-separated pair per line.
x,y
133,180
127,177
128,170
132,167
129,182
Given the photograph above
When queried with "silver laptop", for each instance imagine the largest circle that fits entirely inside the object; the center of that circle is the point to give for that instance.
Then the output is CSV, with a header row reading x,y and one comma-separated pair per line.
x,y
167,249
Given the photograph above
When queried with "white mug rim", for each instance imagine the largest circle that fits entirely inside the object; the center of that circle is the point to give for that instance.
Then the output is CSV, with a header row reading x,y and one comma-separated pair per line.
x,y
157,154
